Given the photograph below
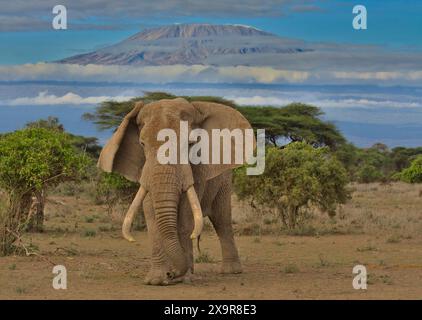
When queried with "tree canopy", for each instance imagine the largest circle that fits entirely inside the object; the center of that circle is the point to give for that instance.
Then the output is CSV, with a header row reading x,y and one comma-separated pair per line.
x,y
412,174
35,157
402,157
376,163
31,160
294,122
109,114
86,144
295,178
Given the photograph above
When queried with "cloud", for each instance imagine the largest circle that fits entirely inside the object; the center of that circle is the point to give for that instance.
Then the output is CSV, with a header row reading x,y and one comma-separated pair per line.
x,y
70,98
381,75
200,73
262,74
320,100
35,13
306,8
260,100
325,103
149,74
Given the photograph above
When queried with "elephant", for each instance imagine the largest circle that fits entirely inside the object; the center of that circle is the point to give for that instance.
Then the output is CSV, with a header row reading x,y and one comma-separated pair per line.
x,y
175,197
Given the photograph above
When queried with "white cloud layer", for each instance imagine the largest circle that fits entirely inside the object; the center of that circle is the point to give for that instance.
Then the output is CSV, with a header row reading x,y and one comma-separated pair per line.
x,y
325,102
30,15
149,74
380,75
200,73
70,98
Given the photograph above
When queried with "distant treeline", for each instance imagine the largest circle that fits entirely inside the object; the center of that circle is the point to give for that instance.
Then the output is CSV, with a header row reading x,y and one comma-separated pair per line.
x,y
295,122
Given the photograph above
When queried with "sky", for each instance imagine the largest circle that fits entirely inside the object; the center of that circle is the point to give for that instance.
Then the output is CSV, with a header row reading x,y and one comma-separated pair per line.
x,y
26,35
369,82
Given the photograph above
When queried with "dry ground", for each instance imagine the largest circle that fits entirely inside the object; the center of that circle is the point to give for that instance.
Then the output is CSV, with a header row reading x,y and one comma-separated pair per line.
x,y
380,228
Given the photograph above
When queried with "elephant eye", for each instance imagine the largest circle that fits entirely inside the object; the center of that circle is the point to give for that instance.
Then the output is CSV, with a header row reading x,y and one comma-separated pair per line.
x,y
141,142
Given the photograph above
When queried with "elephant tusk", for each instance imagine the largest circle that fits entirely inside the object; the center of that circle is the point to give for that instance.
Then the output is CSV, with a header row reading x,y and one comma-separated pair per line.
x,y
196,211
132,211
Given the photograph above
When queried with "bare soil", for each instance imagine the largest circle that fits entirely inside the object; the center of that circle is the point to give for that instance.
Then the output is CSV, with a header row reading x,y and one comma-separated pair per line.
x,y
381,228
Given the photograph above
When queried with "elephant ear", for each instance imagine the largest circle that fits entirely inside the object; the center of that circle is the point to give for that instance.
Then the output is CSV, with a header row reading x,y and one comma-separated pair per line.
x,y
219,116
123,153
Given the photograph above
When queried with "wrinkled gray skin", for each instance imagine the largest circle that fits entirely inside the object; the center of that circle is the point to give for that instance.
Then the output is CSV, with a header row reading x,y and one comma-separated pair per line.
x,y
132,152
215,201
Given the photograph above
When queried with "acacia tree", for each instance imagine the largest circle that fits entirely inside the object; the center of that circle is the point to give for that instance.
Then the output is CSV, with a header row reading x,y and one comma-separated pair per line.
x,y
109,114
295,178
294,122
31,160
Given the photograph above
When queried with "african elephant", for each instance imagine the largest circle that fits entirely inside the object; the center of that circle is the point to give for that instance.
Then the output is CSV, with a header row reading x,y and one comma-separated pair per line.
x,y
175,196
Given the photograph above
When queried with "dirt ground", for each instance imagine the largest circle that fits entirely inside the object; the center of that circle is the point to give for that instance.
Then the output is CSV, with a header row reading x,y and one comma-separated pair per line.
x,y
381,228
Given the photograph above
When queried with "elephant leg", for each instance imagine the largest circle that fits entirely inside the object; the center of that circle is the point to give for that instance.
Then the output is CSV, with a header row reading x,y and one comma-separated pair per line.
x,y
160,266
221,219
186,243
185,226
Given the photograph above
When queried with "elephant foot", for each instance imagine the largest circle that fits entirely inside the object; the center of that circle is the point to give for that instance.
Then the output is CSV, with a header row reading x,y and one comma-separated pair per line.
x,y
188,278
159,277
231,267
164,276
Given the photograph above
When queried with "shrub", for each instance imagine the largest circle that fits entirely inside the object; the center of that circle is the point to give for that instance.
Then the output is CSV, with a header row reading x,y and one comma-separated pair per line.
x,y
204,257
368,173
295,178
374,164
89,233
412,174
114,188
89,219
31,160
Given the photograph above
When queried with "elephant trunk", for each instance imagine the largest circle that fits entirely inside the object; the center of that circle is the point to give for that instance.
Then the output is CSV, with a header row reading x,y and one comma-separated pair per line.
x,y
137,203
165,193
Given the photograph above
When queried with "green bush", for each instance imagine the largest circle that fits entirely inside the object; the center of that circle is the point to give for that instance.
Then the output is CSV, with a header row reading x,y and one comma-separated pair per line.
x,y
87,144
368,173
412,174
37,157
114,188
31,160
295,178
375,164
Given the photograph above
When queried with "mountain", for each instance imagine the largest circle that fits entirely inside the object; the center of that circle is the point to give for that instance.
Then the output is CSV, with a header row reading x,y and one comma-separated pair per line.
x,y
190,44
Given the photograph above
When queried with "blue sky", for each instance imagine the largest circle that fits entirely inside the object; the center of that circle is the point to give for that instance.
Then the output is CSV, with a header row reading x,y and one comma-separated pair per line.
x,y
369,82
27,37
